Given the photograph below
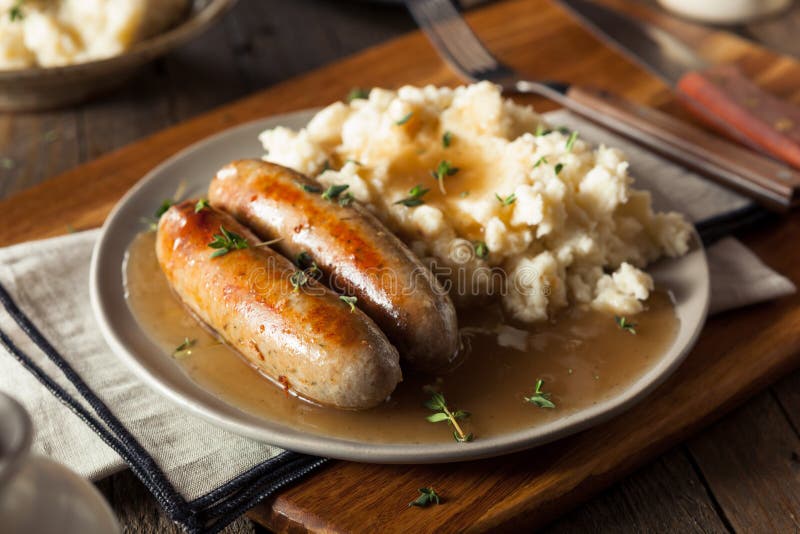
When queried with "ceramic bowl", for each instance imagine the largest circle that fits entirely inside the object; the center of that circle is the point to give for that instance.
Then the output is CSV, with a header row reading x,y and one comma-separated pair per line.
x,y
36,89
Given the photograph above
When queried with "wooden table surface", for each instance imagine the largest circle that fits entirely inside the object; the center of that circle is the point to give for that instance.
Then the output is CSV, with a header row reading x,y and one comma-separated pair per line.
x,y
716,481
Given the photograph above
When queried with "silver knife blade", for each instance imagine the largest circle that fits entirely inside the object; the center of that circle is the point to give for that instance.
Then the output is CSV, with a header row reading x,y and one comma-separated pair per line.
x,y
656,50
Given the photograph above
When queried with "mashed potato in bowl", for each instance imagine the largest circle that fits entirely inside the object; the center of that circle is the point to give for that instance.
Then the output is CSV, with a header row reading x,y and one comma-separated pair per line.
x,y
481,187
51,33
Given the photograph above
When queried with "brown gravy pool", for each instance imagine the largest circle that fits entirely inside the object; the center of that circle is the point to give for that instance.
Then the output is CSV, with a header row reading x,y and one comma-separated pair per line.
x,y
583,358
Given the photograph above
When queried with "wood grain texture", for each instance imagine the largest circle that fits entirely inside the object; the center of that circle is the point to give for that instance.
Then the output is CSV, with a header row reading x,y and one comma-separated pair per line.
x,y
666,496
533,35
752,454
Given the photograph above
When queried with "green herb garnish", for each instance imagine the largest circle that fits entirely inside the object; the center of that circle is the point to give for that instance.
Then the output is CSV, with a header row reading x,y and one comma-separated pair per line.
x,y
346,199
152,222
305,262
539,397
542,130
184,348
571,141
357,93
625,324
558,168
298,280
405,119
510,199
349,300
443,413
226,242
427,497
539,161
311,188
15,13
334,191
481,250
201,205
414,197
444,169
447,139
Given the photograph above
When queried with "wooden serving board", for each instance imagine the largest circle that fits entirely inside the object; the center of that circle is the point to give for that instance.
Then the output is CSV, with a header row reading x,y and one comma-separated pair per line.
x,y
738,353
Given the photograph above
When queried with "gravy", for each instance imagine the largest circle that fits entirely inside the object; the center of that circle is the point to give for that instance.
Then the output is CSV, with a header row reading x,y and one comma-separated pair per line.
x,y
583,358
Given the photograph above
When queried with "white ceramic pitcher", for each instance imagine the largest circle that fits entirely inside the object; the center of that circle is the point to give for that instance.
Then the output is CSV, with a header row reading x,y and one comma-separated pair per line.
x,y
38,494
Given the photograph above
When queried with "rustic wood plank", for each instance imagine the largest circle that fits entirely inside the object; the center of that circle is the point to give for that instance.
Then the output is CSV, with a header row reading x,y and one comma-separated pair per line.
x,y
749,461
666,496
36,146
138,109
787,392
510,28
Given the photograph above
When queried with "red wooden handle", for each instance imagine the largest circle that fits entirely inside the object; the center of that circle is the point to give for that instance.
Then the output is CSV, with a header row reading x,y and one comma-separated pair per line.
x,y
732,104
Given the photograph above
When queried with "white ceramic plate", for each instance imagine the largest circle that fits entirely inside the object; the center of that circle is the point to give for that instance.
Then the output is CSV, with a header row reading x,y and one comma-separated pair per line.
x,y
686,277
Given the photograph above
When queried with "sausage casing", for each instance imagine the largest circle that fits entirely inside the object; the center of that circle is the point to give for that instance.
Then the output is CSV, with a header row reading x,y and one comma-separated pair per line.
x,y
357,253
303,337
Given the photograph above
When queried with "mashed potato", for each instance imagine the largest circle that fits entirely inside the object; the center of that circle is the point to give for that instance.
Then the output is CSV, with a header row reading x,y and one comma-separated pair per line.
x,y
514,208
50,33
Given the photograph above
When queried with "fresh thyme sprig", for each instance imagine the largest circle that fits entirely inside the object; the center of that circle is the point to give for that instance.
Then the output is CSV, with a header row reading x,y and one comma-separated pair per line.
x,y
625,324
404,119
351,301
443,413
184,349
307,264
311,188
346,199
571,141
152,222
447,139
357,93
443,170
298,280
414,197
201,205
539,161
539,397
558,168
427,497
15,13
481,249
226,242
333,192
510,199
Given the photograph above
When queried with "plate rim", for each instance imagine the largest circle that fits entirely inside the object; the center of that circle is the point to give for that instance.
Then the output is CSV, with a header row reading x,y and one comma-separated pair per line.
x,y
373,452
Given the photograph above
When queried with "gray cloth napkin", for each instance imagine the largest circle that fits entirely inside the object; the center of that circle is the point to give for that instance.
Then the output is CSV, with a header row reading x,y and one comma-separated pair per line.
x,y
49,281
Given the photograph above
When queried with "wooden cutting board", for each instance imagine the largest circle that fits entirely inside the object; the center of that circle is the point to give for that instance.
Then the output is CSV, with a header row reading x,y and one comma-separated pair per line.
x,y
738,353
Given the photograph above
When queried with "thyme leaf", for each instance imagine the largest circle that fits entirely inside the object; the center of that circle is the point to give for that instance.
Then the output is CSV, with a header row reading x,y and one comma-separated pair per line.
x,y
539,397
438,405
427,497
349,300
625,324
443,170
414,197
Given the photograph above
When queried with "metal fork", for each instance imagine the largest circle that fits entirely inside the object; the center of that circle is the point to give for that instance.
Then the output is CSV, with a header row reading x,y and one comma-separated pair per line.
x,y
681,142
466,54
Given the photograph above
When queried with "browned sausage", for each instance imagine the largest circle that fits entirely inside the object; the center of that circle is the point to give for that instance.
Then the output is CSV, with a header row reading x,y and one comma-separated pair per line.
x,y
303,337
353,249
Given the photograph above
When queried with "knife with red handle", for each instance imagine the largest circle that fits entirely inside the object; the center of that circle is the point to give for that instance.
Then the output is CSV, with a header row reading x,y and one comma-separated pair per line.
x,y
729,102
721,96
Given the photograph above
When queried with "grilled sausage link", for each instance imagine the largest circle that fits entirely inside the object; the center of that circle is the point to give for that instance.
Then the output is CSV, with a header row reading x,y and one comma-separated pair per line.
x,y
353,249
304,338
